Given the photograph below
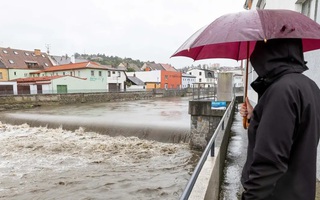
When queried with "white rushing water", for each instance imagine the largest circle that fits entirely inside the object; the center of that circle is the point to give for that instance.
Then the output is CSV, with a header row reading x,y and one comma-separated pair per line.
x,y
43,163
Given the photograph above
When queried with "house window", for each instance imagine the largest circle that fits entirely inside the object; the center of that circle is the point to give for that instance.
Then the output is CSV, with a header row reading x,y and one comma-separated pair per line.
x,y
46,64
79,73
64,73
26,53
1,75
57,74
200,73
199,80
25,74
70,73
4,51
210,75
119,74
109,73
100,73
15,73
113,72
43,55
11,61
15,52
32,64
166,77
92,73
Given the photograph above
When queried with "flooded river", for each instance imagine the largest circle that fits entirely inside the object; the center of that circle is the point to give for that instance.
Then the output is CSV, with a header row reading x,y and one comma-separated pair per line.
x,y
47,162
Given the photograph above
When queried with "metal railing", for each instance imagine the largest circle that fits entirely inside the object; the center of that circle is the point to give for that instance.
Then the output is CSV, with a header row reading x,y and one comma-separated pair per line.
x,y
209,148
204,93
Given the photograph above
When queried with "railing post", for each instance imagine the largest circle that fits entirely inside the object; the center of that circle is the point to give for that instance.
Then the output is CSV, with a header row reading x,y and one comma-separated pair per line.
x,y
212,149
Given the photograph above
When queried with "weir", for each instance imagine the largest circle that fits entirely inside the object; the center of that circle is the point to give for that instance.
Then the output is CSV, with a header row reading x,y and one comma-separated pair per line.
x,y
168,121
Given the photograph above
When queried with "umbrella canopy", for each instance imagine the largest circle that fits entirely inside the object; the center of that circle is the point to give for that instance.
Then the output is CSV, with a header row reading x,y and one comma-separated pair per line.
x,y
234,35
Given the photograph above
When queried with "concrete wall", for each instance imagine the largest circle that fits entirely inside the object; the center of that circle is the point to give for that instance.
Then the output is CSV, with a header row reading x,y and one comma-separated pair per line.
x,y
203,122
225,86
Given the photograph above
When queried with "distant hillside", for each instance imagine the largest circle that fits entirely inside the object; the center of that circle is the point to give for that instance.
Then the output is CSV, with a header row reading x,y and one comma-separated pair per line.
x,y
114,61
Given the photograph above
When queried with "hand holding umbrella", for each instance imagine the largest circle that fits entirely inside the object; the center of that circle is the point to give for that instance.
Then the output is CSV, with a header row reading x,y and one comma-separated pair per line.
x,y
246,111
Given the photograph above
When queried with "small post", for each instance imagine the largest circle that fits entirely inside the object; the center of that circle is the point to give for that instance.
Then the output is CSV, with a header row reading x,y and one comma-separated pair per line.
x,y
212,149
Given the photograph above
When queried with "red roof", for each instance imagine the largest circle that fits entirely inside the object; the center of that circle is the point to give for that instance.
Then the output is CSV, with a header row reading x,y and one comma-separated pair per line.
x,y
168,67
71,66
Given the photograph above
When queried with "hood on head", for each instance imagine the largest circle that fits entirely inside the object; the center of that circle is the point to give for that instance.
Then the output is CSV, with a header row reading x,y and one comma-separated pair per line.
x,y
277,55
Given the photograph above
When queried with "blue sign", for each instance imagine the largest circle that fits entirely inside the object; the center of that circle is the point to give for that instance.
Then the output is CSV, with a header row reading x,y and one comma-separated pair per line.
x,y
218,105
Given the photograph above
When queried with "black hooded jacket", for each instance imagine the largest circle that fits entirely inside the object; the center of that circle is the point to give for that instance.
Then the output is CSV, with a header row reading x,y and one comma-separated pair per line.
x,y
284,130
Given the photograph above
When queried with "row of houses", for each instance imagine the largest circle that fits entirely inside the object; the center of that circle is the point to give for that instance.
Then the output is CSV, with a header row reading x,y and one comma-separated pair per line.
x,y
35,72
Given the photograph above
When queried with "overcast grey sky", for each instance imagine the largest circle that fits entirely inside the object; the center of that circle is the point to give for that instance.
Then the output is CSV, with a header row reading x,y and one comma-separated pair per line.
x,y
148,30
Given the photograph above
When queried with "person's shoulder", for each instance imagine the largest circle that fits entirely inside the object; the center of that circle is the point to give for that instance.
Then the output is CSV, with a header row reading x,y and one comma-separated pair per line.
x,y
294,79
294,82
288,83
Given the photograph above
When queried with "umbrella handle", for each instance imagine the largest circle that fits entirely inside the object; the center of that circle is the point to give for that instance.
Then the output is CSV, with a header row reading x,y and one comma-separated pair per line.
x,y
245,122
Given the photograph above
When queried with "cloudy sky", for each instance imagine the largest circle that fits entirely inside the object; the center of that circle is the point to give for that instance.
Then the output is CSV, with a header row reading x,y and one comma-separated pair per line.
x,y
148,30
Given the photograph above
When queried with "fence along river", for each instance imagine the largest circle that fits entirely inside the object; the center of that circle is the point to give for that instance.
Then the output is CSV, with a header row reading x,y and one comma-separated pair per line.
x,y
48,160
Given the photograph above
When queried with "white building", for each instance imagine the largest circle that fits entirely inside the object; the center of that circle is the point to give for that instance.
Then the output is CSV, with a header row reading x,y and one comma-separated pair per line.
x,y
238,80
74,78
188,81
204,77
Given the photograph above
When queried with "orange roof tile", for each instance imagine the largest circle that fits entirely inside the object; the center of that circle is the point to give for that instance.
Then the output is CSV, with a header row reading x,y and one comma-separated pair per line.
x,y
81,65
168,67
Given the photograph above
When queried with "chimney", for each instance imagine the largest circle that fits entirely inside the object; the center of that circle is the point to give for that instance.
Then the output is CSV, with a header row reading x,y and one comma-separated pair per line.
x,y
37,52
73,59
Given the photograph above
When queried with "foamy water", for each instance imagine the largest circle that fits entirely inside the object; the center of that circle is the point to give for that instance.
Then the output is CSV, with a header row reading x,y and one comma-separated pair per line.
x,y
42,163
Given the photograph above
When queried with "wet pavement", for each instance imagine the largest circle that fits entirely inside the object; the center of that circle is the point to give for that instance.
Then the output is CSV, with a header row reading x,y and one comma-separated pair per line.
x,y
236,154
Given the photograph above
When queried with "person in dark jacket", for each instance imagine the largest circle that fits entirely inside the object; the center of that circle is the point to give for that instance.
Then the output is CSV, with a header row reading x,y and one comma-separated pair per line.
x,y
284,128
